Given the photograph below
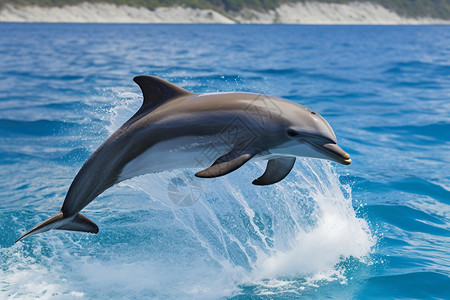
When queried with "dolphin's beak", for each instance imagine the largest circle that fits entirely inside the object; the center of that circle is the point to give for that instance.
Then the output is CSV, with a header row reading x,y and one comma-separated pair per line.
x,y
339,155
333,152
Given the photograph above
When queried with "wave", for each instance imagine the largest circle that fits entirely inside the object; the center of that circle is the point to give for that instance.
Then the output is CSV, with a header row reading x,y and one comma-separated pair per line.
x,y
419,285
12,128
435,133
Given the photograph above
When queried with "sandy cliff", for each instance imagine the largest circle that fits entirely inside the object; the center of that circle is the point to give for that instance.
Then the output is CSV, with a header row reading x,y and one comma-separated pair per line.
x,y
299,13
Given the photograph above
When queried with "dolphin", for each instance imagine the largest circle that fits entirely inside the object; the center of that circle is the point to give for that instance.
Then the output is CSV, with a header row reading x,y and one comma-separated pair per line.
x,y
217,132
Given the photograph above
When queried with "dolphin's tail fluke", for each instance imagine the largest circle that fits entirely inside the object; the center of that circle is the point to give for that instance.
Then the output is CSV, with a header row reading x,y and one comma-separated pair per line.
x,y
77,222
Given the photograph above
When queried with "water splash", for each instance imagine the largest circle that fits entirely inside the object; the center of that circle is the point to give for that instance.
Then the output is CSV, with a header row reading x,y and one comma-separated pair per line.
x,y
302,227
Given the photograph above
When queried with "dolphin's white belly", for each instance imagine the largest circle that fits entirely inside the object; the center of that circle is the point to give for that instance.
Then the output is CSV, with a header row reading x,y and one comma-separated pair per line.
x,y
178,153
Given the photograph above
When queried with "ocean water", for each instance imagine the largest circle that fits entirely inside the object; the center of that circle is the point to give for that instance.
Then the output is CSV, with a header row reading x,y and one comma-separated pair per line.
x,y
378,228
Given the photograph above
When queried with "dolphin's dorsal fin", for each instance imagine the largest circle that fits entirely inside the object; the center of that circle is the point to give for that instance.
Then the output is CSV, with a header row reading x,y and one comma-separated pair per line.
x,y
277,169
156,91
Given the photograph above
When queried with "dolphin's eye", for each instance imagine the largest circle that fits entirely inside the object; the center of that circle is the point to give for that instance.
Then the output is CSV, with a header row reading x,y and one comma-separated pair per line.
x,y
292,133
313,112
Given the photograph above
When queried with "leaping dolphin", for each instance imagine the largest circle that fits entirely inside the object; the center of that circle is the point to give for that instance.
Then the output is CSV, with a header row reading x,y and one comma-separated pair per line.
x,y
175,129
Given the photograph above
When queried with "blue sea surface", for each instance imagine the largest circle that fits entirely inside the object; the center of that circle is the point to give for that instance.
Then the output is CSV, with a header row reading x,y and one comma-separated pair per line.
x,y
378,228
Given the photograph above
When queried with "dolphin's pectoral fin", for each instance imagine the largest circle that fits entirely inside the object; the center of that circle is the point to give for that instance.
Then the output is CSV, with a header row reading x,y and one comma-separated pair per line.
x,y
74,223
277,169
228,163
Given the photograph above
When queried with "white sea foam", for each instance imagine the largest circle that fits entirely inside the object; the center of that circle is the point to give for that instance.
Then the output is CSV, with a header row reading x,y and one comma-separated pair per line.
x,y
338,233
34,274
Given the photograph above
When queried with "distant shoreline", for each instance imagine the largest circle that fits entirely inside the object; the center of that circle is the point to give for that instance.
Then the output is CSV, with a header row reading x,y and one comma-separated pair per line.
x,y
299,13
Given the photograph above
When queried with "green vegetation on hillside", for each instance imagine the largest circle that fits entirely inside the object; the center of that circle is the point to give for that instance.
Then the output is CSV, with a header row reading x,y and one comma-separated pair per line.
x,y
413,8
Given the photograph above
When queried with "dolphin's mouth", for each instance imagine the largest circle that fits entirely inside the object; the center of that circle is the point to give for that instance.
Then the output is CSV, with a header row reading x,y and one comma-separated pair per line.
x,y
334,152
